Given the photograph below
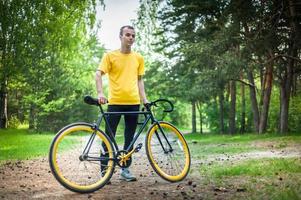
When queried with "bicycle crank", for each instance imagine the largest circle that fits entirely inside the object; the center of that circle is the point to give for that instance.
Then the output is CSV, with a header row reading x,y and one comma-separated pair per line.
x,y
124,159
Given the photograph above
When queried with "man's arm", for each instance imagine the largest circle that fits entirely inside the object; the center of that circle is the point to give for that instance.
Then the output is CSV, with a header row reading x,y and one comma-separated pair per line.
x,y
98,79
141,90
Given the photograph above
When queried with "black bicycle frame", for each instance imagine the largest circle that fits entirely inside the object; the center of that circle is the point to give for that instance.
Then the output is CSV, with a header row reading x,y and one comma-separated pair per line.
x,y
104,115
148,116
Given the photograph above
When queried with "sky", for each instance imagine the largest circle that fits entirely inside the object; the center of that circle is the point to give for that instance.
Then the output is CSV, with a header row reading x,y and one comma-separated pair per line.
x,y
117,13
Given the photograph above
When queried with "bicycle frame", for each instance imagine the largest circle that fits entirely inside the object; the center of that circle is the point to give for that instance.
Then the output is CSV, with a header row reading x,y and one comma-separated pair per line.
x,y
104,115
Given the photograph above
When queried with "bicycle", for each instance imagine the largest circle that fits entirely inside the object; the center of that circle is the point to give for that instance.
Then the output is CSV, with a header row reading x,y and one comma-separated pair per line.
x,y
82,157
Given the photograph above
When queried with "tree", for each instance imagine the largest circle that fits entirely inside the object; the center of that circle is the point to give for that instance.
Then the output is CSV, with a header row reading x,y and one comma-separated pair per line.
x,y
210,44
48,52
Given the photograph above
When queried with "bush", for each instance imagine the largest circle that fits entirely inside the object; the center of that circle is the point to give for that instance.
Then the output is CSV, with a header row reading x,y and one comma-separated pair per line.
x,y
13,122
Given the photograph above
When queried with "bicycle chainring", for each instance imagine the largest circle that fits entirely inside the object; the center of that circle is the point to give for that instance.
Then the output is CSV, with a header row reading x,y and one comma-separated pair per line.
x,y
122,161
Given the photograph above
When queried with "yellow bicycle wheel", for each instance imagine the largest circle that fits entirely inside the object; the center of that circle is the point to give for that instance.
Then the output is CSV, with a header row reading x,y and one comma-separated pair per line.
x,y
76,158
168,152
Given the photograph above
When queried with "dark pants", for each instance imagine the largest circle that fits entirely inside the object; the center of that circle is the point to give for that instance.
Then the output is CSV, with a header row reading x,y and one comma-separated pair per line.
x,y
129,119
130,125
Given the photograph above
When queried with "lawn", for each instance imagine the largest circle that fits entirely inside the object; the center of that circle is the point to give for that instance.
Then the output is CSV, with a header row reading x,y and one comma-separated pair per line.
x,y
20,144
248,166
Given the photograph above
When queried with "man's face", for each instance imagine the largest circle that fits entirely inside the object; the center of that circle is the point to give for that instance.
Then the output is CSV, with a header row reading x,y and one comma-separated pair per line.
x,y
128,37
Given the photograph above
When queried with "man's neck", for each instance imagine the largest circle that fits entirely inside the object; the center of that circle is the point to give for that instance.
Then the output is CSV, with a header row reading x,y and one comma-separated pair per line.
x,y
125,50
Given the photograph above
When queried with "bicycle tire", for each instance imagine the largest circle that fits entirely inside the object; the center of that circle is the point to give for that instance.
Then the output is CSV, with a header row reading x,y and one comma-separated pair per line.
x,y
65,161
174,165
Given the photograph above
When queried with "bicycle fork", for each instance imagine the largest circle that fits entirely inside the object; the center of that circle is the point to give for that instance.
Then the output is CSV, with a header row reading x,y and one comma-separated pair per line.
x,y
160,141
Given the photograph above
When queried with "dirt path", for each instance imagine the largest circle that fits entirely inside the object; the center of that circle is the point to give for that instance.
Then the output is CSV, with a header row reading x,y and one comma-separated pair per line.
x,y
32,179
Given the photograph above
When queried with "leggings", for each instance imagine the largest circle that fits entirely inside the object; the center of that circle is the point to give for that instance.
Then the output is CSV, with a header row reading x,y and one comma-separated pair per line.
x,y
129,119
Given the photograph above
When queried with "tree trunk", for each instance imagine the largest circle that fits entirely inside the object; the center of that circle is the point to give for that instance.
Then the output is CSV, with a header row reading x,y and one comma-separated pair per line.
x,y
266,98
221,112
262,85
253,99
3,105
243,107
294,84
285,92
232,107
32,117
286,85
199,107
193,117
228,93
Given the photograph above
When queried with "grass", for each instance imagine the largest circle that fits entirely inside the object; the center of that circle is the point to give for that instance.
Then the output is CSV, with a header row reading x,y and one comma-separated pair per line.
x,y
19,144
203,151
218,139
273,178
258,167
259,178
206,145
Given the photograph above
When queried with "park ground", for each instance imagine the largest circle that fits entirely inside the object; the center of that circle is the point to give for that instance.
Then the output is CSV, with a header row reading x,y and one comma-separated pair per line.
x,y
223,167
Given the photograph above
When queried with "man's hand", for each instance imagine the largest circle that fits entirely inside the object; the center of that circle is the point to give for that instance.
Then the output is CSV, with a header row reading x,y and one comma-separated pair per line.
x,y
102,99
145,101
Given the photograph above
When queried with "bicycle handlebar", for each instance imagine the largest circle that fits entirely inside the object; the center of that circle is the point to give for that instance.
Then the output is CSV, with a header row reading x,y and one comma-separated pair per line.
x,y
94,101
161,100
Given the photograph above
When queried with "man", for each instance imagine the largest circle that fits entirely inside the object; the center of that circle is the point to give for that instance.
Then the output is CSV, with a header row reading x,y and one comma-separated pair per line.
x,y
125,69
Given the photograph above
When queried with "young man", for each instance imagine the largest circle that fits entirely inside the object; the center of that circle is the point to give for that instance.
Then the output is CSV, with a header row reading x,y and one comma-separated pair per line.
x,y
125,69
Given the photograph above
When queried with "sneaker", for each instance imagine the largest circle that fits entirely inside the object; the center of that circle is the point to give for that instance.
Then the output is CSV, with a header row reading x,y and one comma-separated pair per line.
x,y
126,175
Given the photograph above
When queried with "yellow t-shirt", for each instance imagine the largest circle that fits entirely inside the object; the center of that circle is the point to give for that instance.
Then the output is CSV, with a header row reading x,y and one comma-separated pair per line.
x,y
123,70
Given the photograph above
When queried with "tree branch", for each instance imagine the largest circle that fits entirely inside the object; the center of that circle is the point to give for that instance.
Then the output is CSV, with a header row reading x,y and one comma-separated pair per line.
x,y
249,84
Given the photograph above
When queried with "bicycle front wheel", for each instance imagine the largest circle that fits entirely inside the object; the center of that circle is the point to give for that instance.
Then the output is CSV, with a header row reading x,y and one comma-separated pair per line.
x,y
168,152
76,156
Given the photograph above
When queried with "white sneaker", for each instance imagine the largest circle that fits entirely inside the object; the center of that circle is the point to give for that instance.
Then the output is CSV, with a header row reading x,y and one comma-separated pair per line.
x,y
126,175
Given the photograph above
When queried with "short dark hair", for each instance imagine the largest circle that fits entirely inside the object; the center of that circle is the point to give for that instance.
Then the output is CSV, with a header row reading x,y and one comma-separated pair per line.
x,y
123,27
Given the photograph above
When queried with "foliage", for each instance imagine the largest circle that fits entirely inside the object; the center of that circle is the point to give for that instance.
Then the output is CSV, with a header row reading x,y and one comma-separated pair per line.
x,y
200,47
48,56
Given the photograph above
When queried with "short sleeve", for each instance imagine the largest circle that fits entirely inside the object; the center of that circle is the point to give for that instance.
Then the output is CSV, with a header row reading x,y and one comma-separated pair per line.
x,y
105,64
141,66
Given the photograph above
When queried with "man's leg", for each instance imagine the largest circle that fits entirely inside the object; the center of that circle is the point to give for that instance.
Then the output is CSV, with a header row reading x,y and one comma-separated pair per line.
x,y
130,128
113,121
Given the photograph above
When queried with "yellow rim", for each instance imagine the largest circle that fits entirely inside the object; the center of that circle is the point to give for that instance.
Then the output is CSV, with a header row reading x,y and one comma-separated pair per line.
x,y
54,157
185,149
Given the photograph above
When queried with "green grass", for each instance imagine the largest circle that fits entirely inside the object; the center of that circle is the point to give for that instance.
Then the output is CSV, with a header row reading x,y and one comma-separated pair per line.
x,y
203,151
260,178
218,139
19,144
265,178
258,167
206,145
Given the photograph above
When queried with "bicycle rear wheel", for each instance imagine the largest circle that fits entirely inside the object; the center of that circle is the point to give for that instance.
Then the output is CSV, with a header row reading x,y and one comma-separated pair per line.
x,y
168,152
76,155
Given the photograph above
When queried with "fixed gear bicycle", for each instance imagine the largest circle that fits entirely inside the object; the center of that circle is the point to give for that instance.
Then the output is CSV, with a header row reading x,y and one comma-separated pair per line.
x,y
82,157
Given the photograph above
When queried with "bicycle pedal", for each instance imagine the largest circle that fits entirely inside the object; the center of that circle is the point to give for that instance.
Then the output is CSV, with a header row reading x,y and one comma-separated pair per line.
x,y
138,147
